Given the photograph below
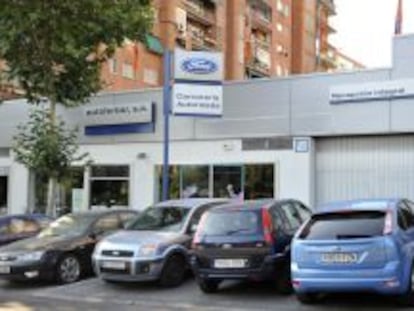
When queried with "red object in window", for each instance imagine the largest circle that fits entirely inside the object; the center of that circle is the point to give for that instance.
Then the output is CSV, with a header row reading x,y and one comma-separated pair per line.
x,y
267,226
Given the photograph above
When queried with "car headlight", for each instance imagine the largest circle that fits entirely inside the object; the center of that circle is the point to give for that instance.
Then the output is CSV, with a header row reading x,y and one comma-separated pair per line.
x,y
32,256
147,250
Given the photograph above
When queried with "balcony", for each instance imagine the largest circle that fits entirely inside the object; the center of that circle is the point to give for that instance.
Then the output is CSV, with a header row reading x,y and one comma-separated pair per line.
x,y
329,5
199,13
264,44
261,22
328,59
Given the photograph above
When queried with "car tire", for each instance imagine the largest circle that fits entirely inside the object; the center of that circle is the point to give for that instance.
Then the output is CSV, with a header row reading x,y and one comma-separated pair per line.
x,y
68,269
283,281
173,271
407,299
208,286
307,298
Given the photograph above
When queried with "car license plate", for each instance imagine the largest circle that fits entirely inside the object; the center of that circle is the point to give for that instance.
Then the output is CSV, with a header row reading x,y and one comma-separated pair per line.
x,y
344,258
116,265
229,263
4,270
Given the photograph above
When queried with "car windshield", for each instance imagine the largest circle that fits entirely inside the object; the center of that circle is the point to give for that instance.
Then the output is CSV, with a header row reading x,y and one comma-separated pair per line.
x,y
67,225
171,218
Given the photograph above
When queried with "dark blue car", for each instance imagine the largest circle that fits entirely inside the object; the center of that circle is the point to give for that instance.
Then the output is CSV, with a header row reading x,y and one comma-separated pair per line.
x,y
17,227
247,241
351,246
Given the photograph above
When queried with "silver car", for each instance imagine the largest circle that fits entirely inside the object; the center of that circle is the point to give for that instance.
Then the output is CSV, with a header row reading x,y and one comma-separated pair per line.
x,y
155,245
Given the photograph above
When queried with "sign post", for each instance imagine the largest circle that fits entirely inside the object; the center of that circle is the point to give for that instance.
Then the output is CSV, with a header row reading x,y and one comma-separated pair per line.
x,y
166,112
197,92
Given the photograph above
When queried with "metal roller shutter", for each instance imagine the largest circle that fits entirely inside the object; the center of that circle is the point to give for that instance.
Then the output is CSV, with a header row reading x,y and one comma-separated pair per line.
x,y
363,167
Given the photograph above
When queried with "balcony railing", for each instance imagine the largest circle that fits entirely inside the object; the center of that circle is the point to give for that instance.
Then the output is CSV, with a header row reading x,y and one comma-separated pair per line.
x,y
200,14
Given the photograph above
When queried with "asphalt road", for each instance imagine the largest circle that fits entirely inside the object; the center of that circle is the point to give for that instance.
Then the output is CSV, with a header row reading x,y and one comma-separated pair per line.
x,y
93,294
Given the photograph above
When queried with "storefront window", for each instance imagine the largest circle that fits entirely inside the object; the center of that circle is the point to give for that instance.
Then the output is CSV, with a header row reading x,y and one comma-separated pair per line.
x,y
174,182
259,181
195,181
252,181
227,181
3,194
69,192
109,186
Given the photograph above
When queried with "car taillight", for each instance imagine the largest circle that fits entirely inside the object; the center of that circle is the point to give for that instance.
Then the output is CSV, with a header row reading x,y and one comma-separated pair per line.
x,y
267,226
388,223
197,235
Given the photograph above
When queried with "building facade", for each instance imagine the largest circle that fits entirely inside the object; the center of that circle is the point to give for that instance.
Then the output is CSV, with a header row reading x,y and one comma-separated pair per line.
x,y
317,138
259,38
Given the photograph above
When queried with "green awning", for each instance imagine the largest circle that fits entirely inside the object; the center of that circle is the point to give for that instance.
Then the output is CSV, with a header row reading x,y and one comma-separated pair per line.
x,y
153,44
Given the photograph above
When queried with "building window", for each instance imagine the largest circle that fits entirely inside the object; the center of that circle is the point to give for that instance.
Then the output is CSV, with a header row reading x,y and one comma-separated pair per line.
x,y
127,71
279,70
250,181
109,186
258,181
150,76
279,27
113,64
279,5
195,181
227,181
69,192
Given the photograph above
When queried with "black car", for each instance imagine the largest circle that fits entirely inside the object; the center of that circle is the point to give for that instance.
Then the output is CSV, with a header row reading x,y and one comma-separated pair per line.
x,y
21,226
247,241
62,251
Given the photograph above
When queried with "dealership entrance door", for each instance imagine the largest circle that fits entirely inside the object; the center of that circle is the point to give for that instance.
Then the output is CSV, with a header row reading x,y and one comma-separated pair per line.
x,y
3,194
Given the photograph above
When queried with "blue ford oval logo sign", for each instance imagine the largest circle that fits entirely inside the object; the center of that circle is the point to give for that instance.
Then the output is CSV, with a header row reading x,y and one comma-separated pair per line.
x,y
200,66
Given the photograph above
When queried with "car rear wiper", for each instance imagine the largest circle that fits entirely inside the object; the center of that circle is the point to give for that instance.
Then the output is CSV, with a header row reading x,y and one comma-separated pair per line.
x,y
352,236
230,232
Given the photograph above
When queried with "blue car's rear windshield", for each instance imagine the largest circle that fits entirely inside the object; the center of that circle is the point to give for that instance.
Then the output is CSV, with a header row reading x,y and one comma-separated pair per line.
x,y
349,225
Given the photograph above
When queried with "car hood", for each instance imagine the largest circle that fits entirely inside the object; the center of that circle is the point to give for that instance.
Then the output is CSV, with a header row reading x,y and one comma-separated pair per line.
x,y
130,237
39,244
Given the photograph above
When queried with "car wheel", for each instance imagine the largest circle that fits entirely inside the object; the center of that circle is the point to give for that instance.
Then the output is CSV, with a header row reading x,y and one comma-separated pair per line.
x,y
68,269
174,271
407,299
283,281
307,298
208,286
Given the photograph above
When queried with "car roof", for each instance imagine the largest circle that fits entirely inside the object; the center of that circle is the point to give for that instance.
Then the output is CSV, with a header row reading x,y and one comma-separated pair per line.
x,y
190,202
374,204
29,216
97,213
249,204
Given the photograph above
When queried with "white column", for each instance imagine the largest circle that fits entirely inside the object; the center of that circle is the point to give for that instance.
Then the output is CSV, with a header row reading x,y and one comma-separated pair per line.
x,y
86,188
18,188
144,180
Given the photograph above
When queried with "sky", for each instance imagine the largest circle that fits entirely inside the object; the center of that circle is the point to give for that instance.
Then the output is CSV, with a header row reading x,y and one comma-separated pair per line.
x,y
365,29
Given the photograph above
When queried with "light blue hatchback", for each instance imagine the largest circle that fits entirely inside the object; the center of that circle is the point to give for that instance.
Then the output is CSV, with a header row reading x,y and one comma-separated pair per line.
x,y
352,246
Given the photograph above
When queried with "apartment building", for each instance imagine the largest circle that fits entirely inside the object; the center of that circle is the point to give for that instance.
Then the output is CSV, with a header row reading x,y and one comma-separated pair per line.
x,y
258,38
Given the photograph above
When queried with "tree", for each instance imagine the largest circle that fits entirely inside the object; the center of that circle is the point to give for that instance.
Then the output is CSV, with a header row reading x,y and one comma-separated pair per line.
x,y
55,49
47,148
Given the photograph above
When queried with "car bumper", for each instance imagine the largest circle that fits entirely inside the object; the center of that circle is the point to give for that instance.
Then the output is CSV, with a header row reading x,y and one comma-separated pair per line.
x,y
136,270
26,271
266,270
383,281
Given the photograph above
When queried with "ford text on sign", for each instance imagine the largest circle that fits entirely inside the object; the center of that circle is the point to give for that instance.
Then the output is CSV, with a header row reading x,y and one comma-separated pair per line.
x,y
200,100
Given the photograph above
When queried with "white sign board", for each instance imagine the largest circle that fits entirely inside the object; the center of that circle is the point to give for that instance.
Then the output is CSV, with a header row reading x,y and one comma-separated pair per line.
x,y
198,66
371,91
197,100
118,114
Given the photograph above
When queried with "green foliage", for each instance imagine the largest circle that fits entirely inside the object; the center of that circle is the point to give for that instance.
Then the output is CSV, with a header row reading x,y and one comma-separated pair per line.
x,y
46,147
55,48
